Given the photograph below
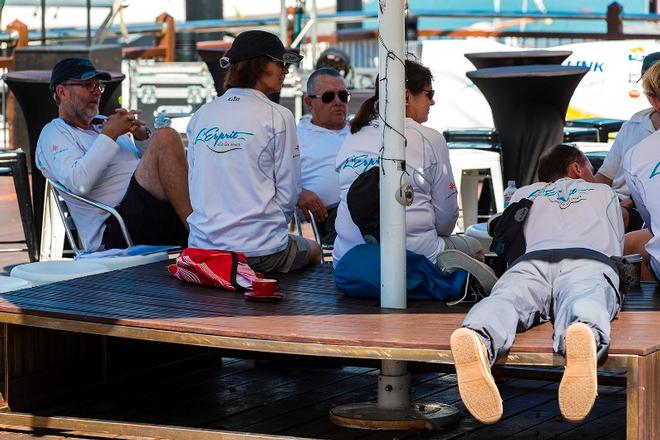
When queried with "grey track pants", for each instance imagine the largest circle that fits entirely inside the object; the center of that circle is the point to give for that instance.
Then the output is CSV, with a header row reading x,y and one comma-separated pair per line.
x,y
532,292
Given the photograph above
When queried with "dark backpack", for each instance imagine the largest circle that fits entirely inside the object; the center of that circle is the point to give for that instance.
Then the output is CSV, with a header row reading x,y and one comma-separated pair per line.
x,y
363,201
507,231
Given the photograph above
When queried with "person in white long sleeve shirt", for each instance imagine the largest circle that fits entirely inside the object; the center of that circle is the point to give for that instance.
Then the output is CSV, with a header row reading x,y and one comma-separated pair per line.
x,y
96,157
565,276
432,215
641,125
244,162
320,137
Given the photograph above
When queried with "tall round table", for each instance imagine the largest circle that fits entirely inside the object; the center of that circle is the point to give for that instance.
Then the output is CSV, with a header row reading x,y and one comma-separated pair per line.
x,y
32,91
483,60
529,104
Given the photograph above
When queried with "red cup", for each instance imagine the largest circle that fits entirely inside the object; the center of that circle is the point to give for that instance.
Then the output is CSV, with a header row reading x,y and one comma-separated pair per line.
x,y
264,287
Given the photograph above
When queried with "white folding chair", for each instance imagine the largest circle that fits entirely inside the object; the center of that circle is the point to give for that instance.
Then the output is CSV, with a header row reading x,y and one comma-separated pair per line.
x,y
54,225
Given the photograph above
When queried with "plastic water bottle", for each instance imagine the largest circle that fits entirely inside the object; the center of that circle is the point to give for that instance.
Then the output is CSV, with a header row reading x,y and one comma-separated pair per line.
x,y
162,120
508,192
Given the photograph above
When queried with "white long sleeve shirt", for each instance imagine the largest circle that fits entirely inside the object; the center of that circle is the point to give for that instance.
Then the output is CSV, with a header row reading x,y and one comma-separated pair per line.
x,y
318,153
632,132
641,166
434,210
90,164
572,213
244,173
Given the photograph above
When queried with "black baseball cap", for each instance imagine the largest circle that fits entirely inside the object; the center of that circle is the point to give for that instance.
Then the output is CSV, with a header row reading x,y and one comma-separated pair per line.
x,y
80,69
252,44
363,201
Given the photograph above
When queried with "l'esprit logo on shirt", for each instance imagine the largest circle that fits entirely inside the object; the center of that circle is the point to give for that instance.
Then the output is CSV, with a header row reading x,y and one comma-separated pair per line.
x,y
222,142
362,161
656,171
575,195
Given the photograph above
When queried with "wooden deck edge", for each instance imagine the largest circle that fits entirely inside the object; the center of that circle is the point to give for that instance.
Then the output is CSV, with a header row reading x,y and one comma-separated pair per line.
x,y
82,426
429,355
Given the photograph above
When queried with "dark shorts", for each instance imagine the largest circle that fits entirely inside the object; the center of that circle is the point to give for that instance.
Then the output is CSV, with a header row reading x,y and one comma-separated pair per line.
x,y
635,221
148,220
327,227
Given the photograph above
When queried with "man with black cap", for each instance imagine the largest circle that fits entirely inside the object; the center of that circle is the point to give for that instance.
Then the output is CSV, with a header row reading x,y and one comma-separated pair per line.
x,y
640,125
244,162
115,160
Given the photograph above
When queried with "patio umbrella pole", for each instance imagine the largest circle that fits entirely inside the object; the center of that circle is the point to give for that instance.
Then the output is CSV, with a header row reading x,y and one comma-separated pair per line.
x,y
393,409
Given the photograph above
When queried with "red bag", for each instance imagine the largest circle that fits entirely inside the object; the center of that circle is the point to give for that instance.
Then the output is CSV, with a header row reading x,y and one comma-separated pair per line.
x,y
209,267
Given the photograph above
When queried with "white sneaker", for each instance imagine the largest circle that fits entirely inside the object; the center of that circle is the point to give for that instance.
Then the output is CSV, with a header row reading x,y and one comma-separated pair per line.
x,y
579,384
475,381
451,260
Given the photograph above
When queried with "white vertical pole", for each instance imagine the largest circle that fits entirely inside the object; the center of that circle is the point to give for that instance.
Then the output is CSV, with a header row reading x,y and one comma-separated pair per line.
x,y
313,16
283,22
391,108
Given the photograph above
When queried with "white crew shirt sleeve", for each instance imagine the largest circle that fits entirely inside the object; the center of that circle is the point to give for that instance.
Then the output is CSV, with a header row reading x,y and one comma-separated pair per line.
x,y
287,167
613,159
443,193
60,158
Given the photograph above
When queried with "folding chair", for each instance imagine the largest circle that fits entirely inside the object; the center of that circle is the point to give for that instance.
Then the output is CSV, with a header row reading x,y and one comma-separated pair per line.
x,y
326,249
52,241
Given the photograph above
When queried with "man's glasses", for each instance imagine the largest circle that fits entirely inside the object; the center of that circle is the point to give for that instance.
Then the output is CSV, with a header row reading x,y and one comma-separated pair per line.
x,y
329,96
430,93
89,86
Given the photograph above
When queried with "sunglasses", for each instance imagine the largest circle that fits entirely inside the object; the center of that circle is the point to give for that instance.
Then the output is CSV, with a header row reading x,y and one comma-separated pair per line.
x,y
430,93
89,86
329,96
286,60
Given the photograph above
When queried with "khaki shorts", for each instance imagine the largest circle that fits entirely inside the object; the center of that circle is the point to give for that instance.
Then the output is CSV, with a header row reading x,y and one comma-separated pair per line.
x,y
295,256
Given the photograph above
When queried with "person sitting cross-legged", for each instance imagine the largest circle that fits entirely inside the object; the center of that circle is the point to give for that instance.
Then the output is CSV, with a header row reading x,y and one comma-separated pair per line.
x,y
564,276
115,160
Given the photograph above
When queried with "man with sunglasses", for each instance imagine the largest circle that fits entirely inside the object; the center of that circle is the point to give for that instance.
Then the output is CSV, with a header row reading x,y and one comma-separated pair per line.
x,y
115,160
245,162
320,137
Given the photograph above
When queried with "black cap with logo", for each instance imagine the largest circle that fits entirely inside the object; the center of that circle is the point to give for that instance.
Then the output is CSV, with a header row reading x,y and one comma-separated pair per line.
x,y
75,68
252,44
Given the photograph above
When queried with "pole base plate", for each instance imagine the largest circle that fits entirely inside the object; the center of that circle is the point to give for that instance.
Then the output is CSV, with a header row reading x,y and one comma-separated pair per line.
x,y
419,415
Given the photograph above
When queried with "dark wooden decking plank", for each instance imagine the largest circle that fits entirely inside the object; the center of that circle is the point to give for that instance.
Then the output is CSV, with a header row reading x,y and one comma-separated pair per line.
x,y
147,297
610,399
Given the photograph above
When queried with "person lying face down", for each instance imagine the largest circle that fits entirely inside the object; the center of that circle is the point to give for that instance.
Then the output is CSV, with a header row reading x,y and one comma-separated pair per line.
x,y
565,276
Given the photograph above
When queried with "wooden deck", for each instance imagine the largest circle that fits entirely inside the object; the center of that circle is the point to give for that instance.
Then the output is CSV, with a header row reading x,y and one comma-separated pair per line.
x,y
314,320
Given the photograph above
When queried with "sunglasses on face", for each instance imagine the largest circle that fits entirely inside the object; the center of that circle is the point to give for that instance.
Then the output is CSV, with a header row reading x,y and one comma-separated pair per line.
x,y
285,63
89,86
430,93
329,96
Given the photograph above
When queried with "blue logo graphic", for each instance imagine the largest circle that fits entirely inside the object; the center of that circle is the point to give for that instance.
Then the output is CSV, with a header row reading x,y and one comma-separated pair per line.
x,y
361,161
656,171
222,142
575,195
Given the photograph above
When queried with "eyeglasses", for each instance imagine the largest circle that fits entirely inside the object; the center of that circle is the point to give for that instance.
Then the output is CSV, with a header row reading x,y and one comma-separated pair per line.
x,y
329,96
430,93
283,63
89,86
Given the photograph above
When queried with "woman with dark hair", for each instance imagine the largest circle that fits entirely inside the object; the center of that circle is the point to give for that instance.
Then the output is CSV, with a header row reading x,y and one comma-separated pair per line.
x,y
244,162
431,217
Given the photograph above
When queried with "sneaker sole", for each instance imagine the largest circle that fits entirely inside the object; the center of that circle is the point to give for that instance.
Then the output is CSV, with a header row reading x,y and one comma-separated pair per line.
x,y
475,381
579,385
452,259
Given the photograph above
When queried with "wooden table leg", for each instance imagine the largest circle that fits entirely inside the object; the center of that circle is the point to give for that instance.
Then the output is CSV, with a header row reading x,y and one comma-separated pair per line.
x,y
643,395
